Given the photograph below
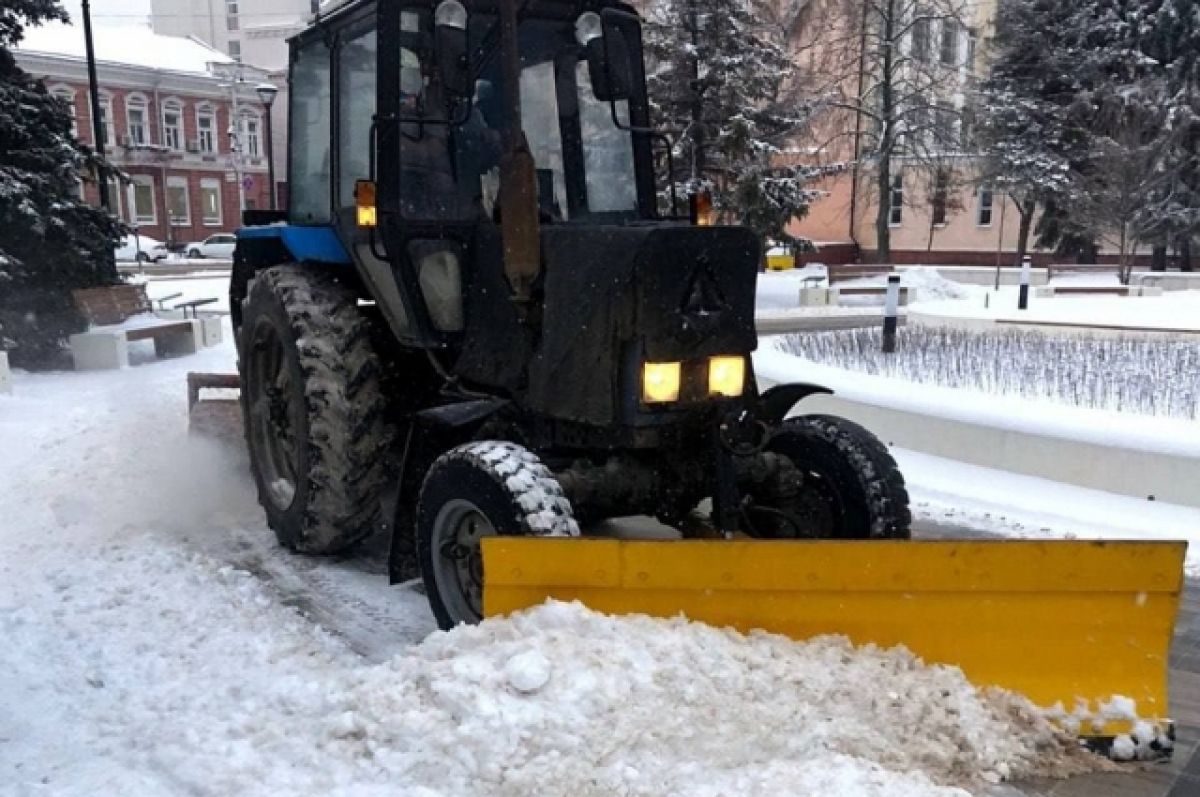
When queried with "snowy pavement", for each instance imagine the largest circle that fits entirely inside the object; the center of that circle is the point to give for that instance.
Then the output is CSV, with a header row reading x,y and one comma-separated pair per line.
x,y
157,641
153,646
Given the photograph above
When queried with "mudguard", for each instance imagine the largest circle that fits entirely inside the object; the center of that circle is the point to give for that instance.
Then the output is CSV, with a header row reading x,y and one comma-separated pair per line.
x,y
775,402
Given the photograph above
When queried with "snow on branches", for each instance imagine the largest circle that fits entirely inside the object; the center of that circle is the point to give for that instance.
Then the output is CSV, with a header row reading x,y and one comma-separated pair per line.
x,y
716,75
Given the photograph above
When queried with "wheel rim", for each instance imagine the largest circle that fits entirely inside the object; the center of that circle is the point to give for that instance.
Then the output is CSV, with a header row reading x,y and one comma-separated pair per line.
x,y
819,506
817,511
273,416
458,558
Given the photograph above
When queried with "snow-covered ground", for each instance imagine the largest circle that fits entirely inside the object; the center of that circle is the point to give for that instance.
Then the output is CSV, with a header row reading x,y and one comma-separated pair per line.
x,y
1174,436
155,640
959,494
198,286
153,645
1175,310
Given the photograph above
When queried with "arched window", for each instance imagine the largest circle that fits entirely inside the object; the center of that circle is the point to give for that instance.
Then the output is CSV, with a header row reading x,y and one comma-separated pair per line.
x,y
172,124
137,121
206,128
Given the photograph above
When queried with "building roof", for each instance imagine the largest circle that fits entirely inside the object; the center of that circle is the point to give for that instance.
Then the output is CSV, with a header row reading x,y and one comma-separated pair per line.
x,y
128,44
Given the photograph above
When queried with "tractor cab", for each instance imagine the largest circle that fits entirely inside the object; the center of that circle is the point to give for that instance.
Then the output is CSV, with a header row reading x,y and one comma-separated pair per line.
x,y
487,168
401,115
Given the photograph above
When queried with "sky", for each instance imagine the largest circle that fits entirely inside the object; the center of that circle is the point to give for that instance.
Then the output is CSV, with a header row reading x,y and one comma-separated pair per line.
x,y
111,12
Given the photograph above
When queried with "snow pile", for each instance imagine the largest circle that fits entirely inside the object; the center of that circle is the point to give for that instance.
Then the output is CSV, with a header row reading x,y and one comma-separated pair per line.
x,y
141,669
562,700
780,290
925,284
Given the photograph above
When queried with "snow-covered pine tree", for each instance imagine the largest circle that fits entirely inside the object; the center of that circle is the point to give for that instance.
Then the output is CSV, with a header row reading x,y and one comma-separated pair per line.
x,y
50,241
1022,132
1123,108
716,76
1172,39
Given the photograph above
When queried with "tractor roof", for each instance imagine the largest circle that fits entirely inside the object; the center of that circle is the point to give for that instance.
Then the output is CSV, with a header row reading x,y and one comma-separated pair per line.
x,y
333,8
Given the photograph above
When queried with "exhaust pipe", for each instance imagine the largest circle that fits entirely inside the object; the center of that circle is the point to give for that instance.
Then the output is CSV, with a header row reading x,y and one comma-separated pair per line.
x,y
518,175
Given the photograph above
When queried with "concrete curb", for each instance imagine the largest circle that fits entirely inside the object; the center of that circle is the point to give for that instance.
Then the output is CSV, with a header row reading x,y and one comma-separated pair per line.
x,y
1114,469
918,317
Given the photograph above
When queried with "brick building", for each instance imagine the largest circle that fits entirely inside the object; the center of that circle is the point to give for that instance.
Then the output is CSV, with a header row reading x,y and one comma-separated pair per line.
x,y
168,109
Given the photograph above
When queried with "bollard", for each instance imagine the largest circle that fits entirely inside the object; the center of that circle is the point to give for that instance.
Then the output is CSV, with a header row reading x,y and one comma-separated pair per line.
x,y
1023,296
5,374
890,312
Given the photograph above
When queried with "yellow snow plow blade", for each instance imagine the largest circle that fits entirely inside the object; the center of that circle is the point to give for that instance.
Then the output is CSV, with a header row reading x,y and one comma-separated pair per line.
x,y
1068,622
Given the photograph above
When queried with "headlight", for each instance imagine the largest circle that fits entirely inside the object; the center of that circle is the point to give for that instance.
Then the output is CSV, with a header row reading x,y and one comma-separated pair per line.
x,y
660,382
726,376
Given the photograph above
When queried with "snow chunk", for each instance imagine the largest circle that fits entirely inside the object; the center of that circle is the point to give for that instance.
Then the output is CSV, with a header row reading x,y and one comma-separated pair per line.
x,y
528,671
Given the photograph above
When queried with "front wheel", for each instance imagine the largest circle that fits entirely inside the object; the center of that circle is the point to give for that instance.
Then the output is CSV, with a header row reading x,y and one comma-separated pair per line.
x,y
474,491
195,253
849,485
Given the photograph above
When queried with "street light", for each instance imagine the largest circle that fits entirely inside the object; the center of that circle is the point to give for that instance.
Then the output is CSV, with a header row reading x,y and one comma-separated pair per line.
x,y
266,93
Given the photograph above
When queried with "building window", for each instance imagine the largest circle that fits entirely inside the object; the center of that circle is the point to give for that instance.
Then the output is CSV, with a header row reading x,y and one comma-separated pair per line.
x,y
113,190
253,142
106,120
896,201
972,45
172,125
966,128
68,99
142,191
941,191
235,49
920,34
135,116
949,54
210,202
178,205
231,15
986,198
943,119
206,129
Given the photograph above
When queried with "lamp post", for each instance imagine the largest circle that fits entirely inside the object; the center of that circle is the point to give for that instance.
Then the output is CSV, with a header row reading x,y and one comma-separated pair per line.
x,y
94,97
266,93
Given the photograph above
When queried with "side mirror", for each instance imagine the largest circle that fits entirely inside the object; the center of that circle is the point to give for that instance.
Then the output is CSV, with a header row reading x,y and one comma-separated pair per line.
x,y
608,58
450,42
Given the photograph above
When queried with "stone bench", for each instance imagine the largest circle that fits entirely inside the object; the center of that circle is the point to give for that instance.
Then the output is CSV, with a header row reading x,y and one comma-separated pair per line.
x,y
872,290
1047,291
109,348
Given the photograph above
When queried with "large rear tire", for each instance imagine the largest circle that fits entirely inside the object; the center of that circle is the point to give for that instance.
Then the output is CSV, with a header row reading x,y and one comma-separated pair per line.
x,y
316,420
851,486
476,490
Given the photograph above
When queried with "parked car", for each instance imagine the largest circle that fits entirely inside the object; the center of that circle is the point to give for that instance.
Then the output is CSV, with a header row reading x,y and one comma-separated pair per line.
x,y
219,245
142,248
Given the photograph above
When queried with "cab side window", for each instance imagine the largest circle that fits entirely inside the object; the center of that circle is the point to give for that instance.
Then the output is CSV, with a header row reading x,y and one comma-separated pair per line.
x,y
356,98
309,170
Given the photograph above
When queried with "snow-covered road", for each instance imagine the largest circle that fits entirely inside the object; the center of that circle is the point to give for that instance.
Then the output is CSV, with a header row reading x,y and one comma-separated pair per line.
x,y
156,641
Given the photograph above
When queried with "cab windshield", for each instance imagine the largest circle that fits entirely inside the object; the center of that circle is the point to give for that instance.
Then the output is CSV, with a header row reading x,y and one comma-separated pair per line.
x,y
450,152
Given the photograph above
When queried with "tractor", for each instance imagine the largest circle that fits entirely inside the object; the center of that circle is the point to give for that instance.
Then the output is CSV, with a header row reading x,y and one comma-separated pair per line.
x,y
480,331
478,317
